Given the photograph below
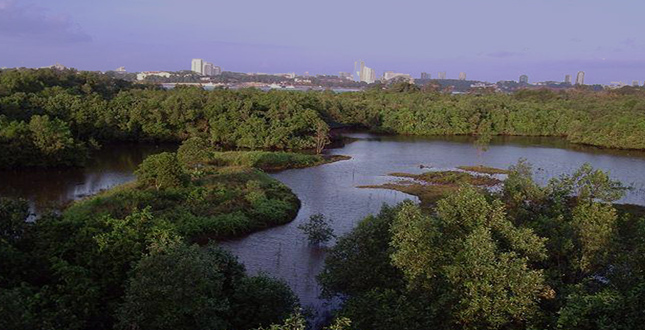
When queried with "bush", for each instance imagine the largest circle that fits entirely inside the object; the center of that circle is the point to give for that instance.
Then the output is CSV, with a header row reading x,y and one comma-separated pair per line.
x,y
318,229
161,171
192,152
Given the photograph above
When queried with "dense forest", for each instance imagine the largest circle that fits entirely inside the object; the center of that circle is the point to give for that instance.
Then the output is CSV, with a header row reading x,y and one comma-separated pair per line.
x,y
559,256
56,118
144,255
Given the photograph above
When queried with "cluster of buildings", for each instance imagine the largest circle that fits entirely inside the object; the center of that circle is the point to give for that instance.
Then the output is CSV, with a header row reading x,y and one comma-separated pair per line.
x,y
362,73
368,75
580,79
204,68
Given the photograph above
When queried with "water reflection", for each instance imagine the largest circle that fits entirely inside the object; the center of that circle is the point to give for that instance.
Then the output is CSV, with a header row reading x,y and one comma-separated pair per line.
x,y
331,189
51,188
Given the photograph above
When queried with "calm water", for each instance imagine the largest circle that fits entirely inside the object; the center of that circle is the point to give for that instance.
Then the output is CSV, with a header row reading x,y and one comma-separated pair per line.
x,y
331,189
111,166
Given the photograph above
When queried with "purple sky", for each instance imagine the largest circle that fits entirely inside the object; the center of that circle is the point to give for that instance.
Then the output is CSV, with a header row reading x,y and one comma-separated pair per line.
x,y
489,40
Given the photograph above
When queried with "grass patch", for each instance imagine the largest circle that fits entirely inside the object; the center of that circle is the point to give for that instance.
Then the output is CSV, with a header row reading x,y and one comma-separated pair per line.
x,y
483,169
271,161
220,203
451,178
430,187
427,194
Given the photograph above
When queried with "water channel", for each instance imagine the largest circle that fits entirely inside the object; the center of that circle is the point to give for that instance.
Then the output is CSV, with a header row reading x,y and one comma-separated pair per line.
x,y
331,189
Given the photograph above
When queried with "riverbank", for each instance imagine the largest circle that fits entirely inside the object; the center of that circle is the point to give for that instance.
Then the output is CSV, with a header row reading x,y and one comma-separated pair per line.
x,y
432,186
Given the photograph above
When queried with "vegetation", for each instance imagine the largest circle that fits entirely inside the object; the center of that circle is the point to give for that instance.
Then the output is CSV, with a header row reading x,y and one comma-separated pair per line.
x,y
559,256
271,161
318,229
483,169
433,185
127,259
55,118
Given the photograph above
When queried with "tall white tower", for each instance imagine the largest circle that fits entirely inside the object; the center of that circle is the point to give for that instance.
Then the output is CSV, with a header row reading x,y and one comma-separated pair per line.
x,y
580,78
197,65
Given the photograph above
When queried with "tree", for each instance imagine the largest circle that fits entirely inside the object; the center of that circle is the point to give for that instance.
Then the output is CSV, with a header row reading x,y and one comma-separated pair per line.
x,y
181,287
192,152
322,136
261,301
472,258
318,229
161,171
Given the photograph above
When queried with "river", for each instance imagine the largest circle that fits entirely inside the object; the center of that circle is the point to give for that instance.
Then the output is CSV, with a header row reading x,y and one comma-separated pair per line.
x,y
331,189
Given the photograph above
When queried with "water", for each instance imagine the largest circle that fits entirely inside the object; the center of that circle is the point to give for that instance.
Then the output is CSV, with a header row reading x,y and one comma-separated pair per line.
x,y
52,188
331,189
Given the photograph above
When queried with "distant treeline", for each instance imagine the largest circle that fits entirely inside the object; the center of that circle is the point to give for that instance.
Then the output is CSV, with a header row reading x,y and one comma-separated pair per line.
x,y
50,117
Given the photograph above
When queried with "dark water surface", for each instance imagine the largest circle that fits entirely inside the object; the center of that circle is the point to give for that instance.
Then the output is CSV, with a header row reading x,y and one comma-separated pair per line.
x,y
110,166
331,189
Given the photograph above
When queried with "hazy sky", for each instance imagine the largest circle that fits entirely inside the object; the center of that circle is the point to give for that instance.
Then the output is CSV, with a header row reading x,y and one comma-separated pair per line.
x,y
489,40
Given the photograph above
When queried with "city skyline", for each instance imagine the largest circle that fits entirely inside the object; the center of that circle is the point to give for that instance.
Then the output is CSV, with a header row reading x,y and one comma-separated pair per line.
x,y
106,35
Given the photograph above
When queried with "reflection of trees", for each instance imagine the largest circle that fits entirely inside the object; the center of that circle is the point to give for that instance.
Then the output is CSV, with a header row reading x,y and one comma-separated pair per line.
x,y
52,188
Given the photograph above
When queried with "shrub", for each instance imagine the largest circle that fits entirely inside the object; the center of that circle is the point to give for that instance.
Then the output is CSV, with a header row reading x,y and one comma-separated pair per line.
x,y
161,171
318,229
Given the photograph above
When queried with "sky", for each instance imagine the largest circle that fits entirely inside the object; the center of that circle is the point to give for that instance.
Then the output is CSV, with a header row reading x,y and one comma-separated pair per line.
x,y
490,40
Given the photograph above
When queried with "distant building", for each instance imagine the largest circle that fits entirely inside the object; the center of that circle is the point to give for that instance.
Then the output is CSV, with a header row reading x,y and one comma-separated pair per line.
x,y
441,75
217,70
391,75
120,69
524,79
56,66
197,65
145,74
580,78
208,69
462,75
306,74
345,75
635,83
567,79
364,73
425,75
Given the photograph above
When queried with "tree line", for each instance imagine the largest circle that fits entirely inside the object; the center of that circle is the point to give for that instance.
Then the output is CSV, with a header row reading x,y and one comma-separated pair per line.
x,y
56,118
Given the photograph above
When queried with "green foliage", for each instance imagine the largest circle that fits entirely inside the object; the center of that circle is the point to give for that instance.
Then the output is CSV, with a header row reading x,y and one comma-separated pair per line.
x,y
85,106
261,301
523,257
161,171
13,216
180,287
265,160
71,270
318,229
193,152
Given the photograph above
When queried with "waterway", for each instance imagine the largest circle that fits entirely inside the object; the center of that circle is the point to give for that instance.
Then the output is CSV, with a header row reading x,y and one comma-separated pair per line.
x,y
331,189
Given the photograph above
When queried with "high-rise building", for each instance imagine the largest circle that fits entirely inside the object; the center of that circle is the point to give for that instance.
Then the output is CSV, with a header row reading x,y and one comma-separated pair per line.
x,y
635,83
217,70
524,79
364,73
441,75
462,75
208,69
368,75
425,75
567,79
197,65
580,78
